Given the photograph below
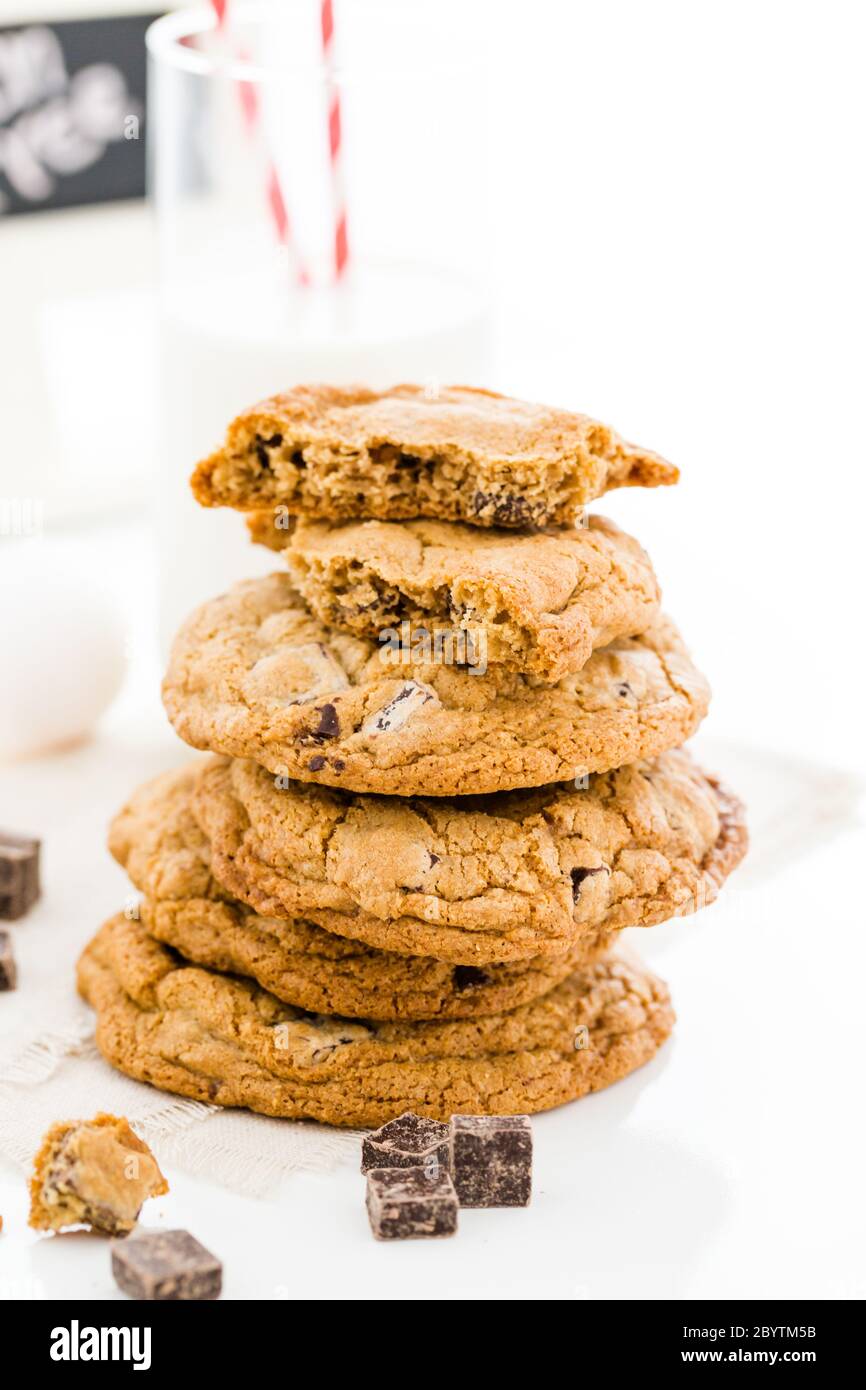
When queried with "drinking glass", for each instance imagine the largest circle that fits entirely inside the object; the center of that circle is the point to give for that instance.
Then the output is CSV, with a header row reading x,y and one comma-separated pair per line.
x,y
320,215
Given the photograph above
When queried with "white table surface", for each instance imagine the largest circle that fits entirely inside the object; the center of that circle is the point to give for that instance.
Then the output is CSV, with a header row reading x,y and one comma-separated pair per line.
x,y
730,1166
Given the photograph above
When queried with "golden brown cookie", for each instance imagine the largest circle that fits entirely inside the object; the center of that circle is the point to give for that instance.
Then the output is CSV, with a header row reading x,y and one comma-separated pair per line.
x,y
223,1040
539,603
463,455
157,840
254,675
95,1173
475,880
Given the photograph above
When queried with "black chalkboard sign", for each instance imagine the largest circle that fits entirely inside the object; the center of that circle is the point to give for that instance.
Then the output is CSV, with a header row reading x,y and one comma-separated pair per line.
x,y
72,112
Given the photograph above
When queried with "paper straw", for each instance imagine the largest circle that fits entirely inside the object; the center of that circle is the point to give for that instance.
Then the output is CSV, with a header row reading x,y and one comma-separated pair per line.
x,y
335,144
251,108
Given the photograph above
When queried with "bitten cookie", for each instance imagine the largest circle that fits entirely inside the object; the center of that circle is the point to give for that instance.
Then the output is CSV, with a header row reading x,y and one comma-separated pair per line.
x,y
254,675
537,603
464,455
95,1173
157,840
222,1040
473,881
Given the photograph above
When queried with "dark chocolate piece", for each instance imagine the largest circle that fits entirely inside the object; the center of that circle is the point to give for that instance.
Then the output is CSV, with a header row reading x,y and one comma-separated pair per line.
x,y
491,1160
329,724
8,971
407,1142
410,1204
19,874
165,1265
468,977
578,875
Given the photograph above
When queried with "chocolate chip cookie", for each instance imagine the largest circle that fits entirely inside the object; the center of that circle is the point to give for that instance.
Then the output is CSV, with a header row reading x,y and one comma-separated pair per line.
x,y
456,454
254,675
474,880
539,603
157,840
228,1042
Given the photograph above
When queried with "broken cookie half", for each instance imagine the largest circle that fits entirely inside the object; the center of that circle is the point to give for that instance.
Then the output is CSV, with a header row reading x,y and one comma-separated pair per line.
x,y
458,454
95,1173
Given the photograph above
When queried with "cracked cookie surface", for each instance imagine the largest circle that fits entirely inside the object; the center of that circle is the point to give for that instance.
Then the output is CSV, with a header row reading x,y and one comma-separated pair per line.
x,y
537,602
227,1042
476,880
466,455
157,840
253,674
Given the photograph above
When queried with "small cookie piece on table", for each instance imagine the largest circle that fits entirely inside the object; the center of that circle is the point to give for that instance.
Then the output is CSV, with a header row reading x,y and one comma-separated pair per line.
x,y
95,1173
410,1203
19,874
491,1160
410,1141
8,969
166,1266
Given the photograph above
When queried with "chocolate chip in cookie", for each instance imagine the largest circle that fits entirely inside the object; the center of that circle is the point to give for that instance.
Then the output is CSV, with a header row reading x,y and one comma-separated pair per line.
x,y
328,725
469,977
578,876
409,698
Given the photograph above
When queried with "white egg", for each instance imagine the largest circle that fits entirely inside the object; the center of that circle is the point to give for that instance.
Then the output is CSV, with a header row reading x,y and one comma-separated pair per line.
x,y
61,661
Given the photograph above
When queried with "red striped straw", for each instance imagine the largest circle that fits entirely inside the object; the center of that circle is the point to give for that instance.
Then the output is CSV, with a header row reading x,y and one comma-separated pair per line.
x,y
335,144
248,96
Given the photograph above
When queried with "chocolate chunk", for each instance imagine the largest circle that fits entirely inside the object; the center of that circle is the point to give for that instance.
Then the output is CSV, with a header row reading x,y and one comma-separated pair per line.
x,y
491,1160
328,725
408,1204
466,976
409,698
8,971
337,764
165,1265
410,1141
507,509
578,875
316,764
19,875
262,446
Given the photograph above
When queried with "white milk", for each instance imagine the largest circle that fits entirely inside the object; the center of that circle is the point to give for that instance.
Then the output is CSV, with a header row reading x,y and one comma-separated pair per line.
x,y
227,344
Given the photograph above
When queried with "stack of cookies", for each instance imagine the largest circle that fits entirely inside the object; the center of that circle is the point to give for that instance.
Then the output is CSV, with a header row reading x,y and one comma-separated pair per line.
x,y
446,770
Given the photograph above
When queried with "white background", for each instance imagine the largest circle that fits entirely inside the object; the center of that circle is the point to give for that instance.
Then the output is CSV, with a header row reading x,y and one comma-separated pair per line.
x,y
675,193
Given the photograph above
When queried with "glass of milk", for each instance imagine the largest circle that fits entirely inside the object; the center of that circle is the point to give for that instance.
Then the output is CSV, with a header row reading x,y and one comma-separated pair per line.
x,y
248,308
